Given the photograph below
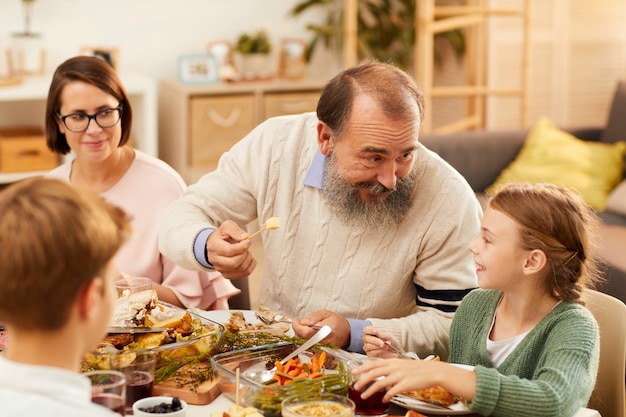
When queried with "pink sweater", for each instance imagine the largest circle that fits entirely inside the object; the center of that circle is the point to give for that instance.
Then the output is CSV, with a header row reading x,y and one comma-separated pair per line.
x,y
144,192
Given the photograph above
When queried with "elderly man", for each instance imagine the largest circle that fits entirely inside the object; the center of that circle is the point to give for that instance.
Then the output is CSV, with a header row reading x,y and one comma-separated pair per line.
x,y
375,227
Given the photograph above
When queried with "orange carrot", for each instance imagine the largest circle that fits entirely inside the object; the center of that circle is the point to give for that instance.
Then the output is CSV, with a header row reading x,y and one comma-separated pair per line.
x,y
322,360
293,369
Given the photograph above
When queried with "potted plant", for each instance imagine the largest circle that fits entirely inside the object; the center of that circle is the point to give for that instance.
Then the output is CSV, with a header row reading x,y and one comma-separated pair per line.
x,y
385,29
27,46
254,55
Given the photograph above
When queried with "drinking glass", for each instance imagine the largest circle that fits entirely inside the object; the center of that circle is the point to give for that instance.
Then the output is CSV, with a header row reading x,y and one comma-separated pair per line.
x,y
372,405
108,388
138,368
127,285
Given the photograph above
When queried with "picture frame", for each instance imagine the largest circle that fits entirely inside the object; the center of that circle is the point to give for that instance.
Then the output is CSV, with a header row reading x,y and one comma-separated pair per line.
x,y
198,69
292,58
110,55
223,52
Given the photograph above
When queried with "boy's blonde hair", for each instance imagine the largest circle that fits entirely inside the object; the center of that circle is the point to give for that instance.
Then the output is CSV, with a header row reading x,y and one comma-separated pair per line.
x,y
55,239
558,222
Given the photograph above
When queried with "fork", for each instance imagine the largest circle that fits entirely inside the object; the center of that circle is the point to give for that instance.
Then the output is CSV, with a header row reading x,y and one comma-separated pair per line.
x,y
400,351
268,321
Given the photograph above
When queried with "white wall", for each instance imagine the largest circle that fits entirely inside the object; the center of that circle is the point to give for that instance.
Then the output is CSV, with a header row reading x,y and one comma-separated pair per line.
x,y
152,34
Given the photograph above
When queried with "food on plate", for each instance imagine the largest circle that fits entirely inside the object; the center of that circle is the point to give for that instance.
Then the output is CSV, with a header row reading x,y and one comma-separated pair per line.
x,y
238,411
186,336
413,413
131,309
294,369
256,374
164,407
434,395
237,323
320,409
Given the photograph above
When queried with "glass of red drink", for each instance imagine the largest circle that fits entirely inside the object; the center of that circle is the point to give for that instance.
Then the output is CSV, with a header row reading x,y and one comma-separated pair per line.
x,y
372,405
108,388
138,368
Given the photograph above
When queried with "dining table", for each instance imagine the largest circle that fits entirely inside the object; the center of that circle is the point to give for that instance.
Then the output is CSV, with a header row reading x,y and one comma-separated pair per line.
x,y
221,403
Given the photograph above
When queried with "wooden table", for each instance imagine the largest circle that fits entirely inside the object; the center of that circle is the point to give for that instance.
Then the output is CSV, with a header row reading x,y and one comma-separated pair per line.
x,y
221,403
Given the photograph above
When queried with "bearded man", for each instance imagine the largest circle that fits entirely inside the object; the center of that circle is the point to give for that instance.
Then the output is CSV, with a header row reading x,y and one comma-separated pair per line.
x,y
374,227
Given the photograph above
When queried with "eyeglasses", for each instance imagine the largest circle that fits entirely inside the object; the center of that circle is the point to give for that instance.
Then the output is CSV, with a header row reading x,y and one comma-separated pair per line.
x,y
78,122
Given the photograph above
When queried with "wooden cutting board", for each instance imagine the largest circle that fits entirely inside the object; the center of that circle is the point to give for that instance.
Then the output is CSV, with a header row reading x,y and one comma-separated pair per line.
x,y
203,394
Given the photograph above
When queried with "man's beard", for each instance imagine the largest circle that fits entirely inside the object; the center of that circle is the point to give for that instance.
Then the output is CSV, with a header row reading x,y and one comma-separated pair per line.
x,y
349,207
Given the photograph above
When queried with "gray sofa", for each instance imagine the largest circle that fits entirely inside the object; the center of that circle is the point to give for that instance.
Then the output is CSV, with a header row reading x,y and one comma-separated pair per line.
x,y
480,156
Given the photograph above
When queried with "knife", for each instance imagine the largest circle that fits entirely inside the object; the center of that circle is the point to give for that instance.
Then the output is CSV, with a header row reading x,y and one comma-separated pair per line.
x,y
135,330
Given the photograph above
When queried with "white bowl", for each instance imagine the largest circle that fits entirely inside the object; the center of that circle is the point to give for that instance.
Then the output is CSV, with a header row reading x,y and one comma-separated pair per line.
x,y
152,401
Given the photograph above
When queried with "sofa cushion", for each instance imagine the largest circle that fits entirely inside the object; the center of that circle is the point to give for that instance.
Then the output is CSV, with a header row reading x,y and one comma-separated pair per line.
x,y
615,129
551,155
616,201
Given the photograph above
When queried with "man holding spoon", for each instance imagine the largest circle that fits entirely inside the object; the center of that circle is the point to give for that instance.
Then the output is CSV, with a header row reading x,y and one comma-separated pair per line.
x,y
374,226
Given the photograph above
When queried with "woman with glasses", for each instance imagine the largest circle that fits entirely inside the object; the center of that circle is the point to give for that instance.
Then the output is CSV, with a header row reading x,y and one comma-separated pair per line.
x,y
89,114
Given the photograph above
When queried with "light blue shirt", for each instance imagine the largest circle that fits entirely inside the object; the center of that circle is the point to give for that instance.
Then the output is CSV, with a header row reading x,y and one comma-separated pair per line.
x,y
313,178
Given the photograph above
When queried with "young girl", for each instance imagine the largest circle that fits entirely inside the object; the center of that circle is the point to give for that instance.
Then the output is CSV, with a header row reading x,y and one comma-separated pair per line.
x,y
534,346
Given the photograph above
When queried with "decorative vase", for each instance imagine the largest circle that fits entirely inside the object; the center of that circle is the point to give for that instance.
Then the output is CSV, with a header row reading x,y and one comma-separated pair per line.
x,y
27,54
255,66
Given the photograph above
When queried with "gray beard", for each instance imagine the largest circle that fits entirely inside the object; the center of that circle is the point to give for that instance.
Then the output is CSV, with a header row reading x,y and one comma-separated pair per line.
x,y
346,203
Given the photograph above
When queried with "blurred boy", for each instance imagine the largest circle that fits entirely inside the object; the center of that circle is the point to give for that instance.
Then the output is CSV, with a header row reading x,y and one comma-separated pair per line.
x,y
56,294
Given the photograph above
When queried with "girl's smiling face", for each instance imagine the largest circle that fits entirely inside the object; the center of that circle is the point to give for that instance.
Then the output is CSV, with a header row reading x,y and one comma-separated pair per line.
x,y
498,254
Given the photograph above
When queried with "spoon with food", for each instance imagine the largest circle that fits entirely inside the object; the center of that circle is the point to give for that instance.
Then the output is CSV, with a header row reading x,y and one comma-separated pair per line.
x,y
270,224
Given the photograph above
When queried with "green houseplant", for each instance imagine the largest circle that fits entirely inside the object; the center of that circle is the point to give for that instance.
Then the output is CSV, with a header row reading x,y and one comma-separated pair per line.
x,y
254,55
254,43
386,29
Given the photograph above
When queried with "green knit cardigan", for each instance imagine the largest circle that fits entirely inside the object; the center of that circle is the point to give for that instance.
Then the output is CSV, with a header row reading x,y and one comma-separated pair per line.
x,y
551,372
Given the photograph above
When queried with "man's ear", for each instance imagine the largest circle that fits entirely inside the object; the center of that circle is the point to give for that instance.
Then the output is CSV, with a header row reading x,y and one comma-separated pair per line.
x,y
535,261
324,138
91,297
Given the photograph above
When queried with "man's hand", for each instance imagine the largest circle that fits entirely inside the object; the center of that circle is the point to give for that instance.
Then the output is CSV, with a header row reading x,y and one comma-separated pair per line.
x,y
228,250
340,335
374,343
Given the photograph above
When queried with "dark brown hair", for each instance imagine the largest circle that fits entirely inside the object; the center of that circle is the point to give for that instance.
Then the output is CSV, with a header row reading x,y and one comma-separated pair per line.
x,y
558,222
392,88
55,239
90,70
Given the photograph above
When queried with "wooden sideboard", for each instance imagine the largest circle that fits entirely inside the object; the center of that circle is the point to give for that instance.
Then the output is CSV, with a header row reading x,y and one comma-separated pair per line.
x,y
198,123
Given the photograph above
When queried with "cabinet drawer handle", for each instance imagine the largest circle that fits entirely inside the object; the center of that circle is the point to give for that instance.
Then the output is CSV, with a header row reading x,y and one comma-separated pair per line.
x,y
224,122
295,107
28,153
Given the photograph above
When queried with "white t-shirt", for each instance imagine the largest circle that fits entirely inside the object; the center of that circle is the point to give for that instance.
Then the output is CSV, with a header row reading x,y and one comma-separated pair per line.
x,y
43,391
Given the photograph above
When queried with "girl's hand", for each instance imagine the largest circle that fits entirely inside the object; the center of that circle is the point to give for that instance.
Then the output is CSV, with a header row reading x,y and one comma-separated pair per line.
x,y
401,375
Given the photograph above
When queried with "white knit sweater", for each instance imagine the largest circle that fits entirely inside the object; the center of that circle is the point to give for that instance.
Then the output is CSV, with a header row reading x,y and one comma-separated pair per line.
x,y
313,260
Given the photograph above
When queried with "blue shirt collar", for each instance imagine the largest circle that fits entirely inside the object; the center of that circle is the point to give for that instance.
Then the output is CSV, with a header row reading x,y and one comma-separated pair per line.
x,y
315,175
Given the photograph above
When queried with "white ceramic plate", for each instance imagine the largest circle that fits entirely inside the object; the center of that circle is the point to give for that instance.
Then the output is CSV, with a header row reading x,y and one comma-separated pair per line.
x,y
457,409
223,316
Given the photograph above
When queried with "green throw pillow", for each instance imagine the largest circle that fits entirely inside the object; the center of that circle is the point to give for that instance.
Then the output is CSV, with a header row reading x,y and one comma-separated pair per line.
x,y
551,155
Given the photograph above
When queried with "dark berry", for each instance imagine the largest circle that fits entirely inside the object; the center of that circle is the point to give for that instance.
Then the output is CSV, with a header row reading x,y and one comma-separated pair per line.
x,y
164,407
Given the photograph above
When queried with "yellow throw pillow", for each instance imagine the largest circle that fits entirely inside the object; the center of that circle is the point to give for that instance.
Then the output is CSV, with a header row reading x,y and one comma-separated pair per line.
x,y
551,155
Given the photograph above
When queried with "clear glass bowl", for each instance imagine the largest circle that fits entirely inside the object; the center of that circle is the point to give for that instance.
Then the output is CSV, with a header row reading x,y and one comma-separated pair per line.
x,y
206,343
318,404
256,369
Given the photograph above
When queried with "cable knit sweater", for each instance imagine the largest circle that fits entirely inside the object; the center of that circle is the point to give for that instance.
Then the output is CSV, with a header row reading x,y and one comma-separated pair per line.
x,y
407,279
551,372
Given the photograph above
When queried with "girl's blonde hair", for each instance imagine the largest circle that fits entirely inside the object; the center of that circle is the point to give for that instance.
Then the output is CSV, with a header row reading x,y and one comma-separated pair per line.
x,y
558,222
